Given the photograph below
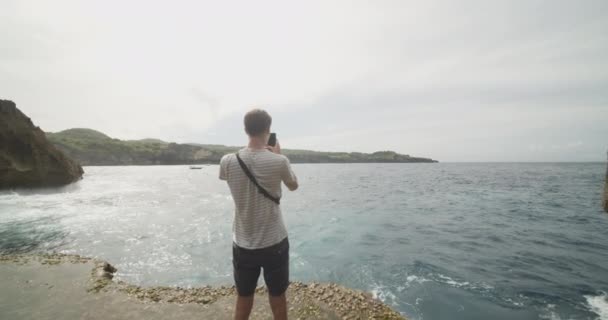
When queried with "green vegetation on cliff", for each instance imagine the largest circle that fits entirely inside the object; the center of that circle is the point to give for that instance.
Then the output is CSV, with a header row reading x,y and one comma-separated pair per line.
x,y
91,147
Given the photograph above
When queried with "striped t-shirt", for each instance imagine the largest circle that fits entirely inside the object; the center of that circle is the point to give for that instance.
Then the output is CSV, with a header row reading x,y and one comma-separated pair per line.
x,y
258,222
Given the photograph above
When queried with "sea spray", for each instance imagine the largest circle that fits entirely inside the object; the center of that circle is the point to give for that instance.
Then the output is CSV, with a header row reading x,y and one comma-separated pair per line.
x,y
599,305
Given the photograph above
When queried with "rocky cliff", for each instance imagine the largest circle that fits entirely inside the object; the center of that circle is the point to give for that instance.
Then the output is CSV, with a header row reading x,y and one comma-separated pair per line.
x,y
606,191
27,158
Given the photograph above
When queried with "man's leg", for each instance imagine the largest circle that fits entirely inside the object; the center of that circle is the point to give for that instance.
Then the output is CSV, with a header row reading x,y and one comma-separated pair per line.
x,y
246,274
278,305
243,307
276,276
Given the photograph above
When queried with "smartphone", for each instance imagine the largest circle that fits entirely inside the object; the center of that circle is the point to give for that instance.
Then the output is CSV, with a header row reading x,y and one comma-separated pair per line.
x,y
272,140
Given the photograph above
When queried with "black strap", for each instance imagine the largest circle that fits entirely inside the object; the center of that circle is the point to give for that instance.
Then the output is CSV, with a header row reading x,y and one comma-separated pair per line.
x,y
252,178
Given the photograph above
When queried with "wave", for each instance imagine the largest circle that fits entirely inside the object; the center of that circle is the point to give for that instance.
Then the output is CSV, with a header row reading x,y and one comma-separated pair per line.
x,y
446,280
599,305
550,313
384,294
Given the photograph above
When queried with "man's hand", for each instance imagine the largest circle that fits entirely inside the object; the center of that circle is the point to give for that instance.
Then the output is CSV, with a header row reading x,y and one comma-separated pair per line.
x,y
276,149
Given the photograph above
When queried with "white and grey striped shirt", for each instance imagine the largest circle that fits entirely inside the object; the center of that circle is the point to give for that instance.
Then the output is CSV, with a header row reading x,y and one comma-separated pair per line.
x,y
258,222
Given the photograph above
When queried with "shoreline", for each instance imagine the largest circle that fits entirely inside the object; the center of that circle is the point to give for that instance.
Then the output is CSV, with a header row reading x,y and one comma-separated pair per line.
x,y
87,283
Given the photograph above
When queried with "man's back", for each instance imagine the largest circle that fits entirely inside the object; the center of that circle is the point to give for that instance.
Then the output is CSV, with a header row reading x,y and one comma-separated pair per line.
x,y
260,239
258,222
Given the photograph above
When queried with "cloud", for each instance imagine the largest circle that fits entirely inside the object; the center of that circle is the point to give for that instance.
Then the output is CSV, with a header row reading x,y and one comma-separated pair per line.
x,y
462,81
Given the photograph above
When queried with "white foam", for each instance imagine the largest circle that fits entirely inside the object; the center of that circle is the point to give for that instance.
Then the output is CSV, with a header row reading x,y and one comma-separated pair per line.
x,y
416,279
452,282
599,305
384,294
550,315
440,278
515,303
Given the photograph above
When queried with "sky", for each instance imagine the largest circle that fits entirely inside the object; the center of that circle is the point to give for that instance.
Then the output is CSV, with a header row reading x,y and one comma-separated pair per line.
x,y
450,80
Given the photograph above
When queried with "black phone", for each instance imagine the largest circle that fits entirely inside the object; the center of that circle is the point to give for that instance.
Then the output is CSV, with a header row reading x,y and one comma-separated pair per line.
x,y
272,140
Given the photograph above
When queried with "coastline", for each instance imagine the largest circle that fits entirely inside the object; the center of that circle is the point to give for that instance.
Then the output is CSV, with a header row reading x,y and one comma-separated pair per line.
x,y
50,286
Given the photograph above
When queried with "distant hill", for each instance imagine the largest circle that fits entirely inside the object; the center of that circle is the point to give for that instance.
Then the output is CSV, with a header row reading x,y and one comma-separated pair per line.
x,y
82,134
91,147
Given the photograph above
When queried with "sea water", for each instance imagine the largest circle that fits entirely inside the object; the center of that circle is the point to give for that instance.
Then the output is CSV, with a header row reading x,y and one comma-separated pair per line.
x,y
434,241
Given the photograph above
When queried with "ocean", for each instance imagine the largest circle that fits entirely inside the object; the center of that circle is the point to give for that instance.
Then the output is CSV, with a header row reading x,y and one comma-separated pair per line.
x,y
434,241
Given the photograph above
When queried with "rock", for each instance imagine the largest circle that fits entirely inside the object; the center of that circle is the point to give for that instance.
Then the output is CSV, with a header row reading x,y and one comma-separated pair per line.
x,y
27,158
105,271
606,191
108,268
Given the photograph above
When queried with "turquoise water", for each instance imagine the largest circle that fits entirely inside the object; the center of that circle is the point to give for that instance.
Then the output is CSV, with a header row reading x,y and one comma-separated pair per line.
x,y
435,241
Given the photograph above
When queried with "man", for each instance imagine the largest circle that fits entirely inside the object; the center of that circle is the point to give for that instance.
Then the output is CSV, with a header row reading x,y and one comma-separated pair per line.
x,y
259,234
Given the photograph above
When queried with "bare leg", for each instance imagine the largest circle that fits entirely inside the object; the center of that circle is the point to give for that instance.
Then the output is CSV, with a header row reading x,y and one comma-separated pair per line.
x,y
243,307
278,305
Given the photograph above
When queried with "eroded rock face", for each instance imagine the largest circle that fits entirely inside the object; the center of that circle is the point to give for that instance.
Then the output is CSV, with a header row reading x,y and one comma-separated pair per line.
x,y
606,192
27,159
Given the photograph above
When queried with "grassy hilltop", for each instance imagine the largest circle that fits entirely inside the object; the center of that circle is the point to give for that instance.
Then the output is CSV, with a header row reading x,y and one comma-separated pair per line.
x,y
91,147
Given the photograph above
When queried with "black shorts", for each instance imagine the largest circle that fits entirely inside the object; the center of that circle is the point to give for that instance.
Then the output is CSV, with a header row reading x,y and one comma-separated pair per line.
x,y
275,262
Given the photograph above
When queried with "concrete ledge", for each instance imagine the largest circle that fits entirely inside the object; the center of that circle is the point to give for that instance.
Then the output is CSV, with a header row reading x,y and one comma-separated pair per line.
x,y
59,286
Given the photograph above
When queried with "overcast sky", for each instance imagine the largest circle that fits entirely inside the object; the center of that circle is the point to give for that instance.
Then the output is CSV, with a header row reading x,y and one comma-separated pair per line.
x,y
452,80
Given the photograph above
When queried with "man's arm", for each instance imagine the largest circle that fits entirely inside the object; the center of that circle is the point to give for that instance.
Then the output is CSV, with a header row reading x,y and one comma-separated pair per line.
x,y
223,173
288,177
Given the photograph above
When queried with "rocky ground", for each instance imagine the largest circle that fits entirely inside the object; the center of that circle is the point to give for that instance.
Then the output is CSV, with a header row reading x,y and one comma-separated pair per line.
x,y
57,286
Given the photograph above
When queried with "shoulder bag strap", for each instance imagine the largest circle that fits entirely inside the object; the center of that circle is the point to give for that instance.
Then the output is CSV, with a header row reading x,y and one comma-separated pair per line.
x,y
255,182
